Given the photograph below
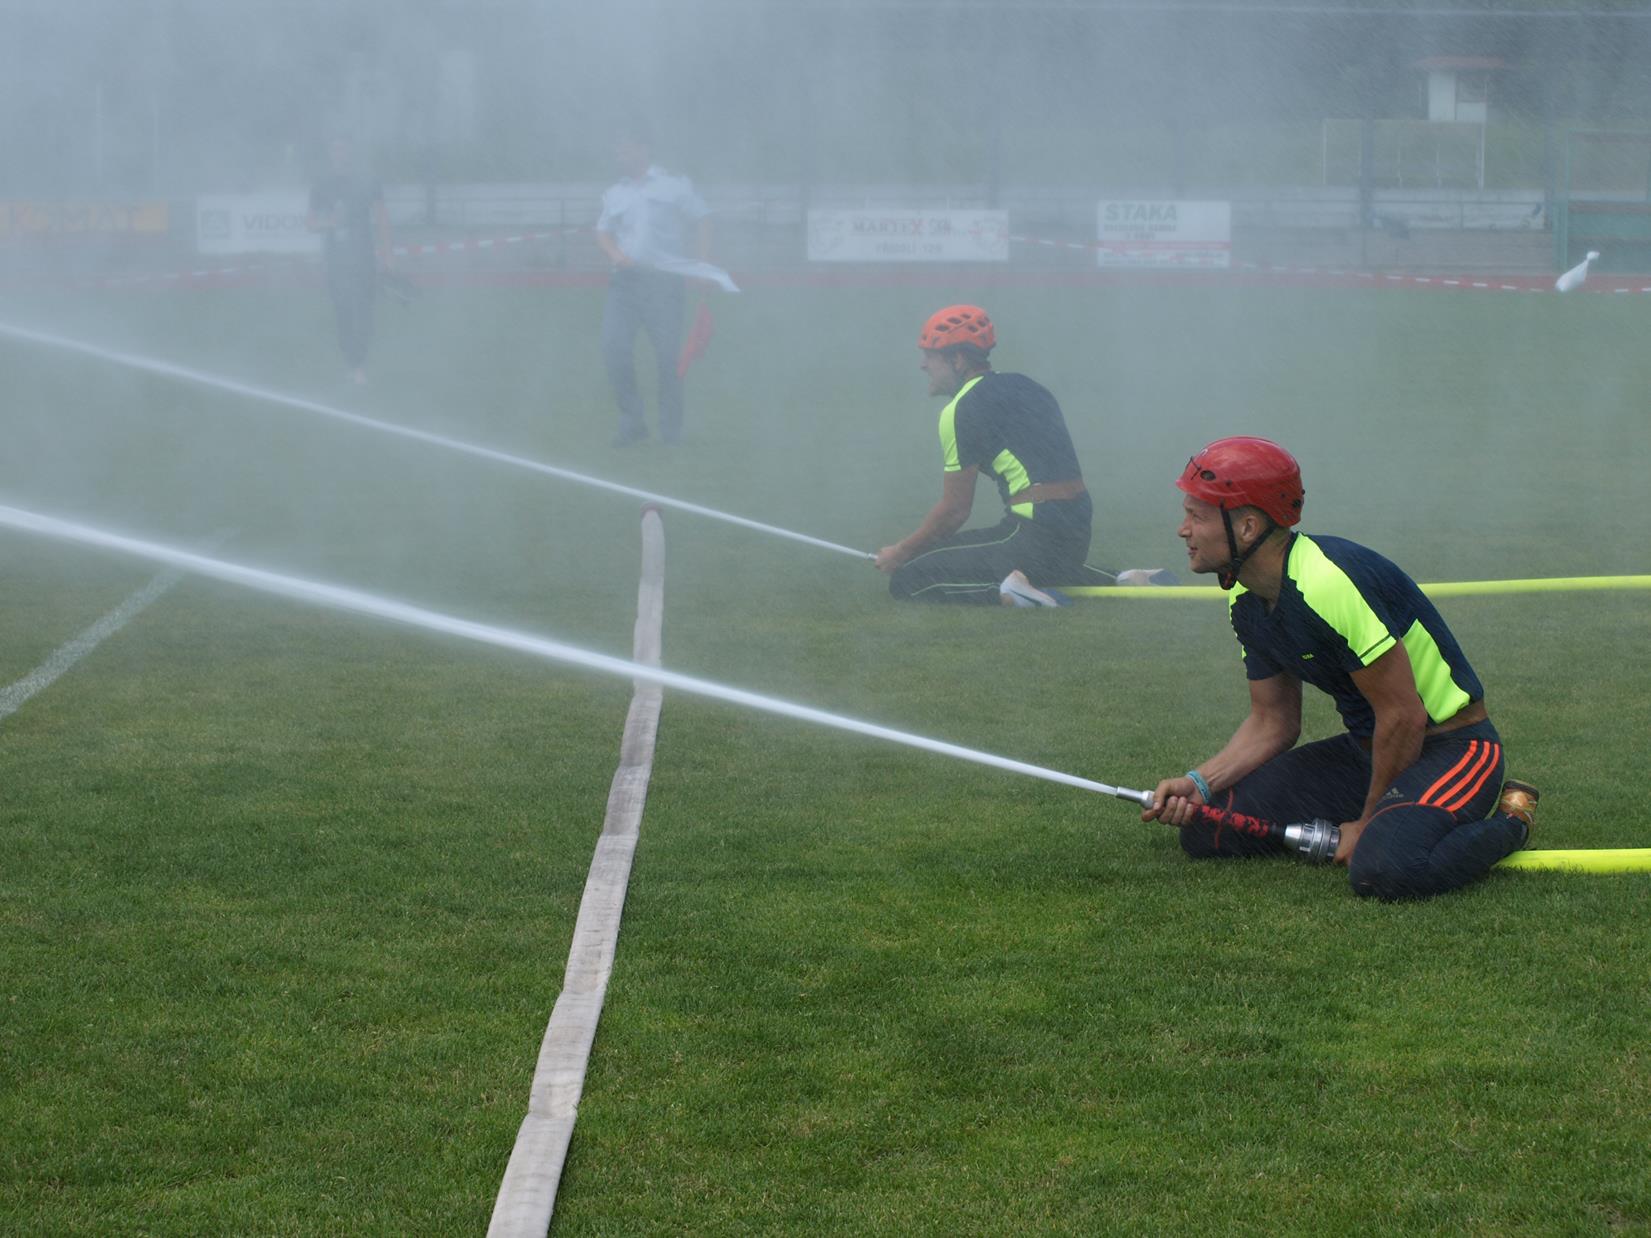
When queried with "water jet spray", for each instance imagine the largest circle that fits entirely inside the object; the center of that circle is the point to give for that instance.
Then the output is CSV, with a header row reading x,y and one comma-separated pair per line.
x,y
167,369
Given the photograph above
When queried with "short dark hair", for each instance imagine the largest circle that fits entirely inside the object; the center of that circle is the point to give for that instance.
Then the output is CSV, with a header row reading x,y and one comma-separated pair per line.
x,y
974,354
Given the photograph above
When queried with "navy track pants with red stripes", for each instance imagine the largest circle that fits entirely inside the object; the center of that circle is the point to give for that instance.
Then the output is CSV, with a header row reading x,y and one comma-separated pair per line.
x,y
1430,833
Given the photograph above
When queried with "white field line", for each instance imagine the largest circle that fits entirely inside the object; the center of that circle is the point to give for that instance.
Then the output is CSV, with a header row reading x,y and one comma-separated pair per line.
x,y
14,696
527,1196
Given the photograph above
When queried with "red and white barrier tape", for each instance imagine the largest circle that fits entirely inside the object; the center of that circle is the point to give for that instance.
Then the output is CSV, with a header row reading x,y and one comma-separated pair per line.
x,y
247,271
237,272
471,244
1618,285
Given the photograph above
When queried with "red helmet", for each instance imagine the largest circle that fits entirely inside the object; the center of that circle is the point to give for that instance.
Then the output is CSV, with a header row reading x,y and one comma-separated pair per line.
x,y
1246,472
958,324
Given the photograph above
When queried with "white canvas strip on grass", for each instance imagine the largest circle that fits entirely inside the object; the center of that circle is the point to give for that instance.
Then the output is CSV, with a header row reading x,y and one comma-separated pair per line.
x,y
527,1196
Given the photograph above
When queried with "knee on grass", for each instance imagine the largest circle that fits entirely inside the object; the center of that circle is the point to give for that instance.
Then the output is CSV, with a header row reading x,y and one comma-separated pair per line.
x,y
1390,878
1199,843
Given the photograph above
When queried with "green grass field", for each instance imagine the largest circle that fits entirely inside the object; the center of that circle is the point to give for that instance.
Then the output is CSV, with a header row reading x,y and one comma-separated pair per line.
x,y
287,894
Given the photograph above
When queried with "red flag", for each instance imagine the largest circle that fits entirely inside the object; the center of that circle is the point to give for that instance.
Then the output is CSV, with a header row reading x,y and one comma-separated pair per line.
x,y
699,338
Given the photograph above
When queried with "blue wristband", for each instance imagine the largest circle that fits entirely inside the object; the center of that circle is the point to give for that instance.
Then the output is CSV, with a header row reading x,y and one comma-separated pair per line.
x,y
1199,782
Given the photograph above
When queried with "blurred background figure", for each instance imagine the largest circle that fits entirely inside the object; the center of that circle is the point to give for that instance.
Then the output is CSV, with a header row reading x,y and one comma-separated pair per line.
x,y
642,229
347,208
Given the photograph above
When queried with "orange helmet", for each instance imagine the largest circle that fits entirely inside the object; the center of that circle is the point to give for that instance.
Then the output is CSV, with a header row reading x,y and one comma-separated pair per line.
x,y
958,324
1246,472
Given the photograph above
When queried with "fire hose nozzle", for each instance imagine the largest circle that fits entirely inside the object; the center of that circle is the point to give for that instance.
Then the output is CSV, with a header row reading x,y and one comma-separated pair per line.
x,y
1314,841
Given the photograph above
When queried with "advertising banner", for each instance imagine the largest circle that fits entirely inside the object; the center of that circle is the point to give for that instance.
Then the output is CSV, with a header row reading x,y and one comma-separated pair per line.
x,y
58,219
258,223
1144,233
896,234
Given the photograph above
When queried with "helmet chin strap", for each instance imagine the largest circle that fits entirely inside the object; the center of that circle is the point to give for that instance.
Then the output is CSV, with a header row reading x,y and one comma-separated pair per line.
x,y
1228,576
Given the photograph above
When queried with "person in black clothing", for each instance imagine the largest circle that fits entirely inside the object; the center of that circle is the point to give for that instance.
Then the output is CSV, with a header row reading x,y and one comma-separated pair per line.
x,y
1011,429
347,208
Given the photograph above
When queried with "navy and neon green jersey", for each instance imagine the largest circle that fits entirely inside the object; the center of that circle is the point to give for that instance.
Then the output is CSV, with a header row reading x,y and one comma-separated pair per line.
x,y
1340,608
1011,429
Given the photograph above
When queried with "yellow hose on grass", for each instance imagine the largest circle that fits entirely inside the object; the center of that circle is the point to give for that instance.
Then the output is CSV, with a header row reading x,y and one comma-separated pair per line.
x,y
1584,860
1441,589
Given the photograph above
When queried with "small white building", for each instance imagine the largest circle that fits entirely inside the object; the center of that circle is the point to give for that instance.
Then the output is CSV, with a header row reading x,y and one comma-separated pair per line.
x,y
1458,87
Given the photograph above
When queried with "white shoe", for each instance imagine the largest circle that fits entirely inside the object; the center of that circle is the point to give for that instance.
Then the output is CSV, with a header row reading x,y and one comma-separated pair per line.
x,y
1146,576
1016,590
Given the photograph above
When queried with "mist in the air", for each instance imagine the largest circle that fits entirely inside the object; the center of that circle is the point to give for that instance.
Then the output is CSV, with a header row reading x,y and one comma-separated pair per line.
x,y
136,132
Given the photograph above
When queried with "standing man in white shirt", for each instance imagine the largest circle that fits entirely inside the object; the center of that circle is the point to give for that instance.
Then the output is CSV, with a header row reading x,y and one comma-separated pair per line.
x,y
643,230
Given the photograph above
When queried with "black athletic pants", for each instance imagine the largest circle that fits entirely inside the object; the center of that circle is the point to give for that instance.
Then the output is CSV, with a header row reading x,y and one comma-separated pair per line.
x,y
1429,835
353,287
651,302
968,566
